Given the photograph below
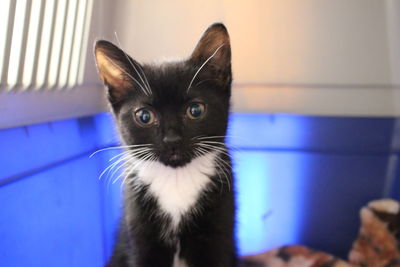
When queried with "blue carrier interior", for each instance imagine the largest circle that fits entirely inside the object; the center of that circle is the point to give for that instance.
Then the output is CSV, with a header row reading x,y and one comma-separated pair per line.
x,y
299,179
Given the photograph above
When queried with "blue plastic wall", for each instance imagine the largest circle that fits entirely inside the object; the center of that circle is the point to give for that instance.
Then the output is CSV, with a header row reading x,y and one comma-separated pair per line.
x,y
54,209
300,179
303,179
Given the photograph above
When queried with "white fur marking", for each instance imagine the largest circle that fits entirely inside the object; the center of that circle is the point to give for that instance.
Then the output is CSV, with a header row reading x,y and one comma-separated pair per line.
x,y
178,262
178,189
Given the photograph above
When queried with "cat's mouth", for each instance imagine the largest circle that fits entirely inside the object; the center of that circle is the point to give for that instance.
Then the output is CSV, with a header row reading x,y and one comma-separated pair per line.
x,y
174,158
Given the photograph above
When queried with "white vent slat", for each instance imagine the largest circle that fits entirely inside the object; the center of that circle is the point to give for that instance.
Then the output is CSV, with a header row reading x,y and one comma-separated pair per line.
x,y
6,46
24,45
58,43
78,42
33,43
68,42
85,37
43,43
18,43
4,13
46,43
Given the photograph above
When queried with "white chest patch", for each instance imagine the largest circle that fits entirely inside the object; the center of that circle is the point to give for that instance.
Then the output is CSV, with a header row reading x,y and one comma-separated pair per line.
x,y
178,189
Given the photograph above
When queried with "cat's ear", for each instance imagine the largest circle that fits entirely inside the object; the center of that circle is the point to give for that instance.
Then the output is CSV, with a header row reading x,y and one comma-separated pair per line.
x,y
215,46
115,69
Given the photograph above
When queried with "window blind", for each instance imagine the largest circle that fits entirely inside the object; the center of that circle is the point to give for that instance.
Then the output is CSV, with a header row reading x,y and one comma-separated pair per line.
x,y
43,43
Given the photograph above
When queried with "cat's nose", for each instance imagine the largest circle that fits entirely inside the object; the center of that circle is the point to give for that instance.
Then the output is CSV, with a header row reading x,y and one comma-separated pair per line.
x,y
171,137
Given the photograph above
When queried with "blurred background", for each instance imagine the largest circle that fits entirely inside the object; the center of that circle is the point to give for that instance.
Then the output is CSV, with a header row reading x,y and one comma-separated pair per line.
x,y
315,124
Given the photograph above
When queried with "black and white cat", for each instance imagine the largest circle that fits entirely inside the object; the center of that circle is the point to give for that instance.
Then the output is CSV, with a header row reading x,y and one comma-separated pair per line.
x,y
179,202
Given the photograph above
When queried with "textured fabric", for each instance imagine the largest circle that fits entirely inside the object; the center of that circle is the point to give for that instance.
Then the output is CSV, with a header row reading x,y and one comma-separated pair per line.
x,y
377,244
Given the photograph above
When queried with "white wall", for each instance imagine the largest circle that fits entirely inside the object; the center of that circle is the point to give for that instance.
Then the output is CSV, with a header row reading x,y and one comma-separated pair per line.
x,y
313,56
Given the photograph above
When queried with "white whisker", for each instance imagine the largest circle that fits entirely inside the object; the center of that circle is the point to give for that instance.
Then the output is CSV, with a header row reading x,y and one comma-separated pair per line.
x,y
136,154
200,137
127,152
123,159
110,167
205,62
124,164
225,169
222,150
222,165
133,65
145,78
118,147
130,76
136,162
221,144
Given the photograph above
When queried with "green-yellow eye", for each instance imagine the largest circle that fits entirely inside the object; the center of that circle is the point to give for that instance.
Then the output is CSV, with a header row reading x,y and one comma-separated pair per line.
x,y
145,117
195,111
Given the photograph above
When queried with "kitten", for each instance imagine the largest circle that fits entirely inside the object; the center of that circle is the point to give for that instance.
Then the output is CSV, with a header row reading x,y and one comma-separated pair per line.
x,y
179,201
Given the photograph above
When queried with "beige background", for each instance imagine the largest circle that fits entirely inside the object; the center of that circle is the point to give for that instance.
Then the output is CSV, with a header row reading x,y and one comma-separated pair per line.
x,y
315,57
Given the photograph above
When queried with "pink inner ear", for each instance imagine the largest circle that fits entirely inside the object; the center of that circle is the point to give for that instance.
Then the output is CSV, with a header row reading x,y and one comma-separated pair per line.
x,y
110,73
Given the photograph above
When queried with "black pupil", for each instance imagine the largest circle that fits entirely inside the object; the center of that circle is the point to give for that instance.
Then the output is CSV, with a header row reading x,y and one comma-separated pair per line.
x,y
195,110
145,116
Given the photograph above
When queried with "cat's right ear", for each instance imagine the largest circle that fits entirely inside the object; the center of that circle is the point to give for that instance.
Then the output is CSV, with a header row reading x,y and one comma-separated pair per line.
x,y
114,69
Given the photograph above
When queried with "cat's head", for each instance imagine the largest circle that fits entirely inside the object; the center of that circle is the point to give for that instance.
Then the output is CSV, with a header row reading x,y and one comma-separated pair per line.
x,y
172,108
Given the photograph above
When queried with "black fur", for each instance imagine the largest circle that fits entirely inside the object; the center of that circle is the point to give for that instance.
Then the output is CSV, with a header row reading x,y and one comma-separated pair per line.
x,y
206,237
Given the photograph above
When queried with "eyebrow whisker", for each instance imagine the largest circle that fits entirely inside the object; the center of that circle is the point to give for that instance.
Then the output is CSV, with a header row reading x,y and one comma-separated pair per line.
x,y
146,85
205,62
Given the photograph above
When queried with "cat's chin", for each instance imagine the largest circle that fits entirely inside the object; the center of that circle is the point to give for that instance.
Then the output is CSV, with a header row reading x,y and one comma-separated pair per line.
x,y
176,163
175,160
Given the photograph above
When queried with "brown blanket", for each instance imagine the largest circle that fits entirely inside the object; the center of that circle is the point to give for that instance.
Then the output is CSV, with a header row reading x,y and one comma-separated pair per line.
x,y
377,244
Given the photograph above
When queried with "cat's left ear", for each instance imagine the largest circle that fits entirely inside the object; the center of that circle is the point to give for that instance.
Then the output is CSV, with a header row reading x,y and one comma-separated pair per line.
x,y
215,47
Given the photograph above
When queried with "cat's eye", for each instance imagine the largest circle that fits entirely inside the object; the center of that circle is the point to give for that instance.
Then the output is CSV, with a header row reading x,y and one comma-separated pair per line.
x,y
195,111
145,117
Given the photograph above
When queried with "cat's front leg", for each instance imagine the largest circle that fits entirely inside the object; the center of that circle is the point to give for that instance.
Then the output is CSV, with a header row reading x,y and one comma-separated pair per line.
x,y
210,252
153,254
